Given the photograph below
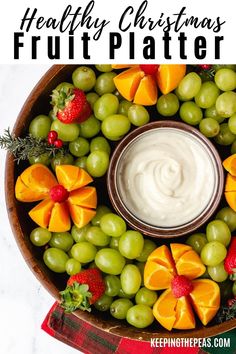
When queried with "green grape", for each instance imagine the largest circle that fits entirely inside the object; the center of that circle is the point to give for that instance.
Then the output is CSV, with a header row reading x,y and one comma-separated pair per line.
x,y
124,107
105,84
92,97
66,132
234,288
123,295
100,144
197,241
109,261
233,148
62,240
212,113
225,79
112,285
120,307
90,127
79,147
84,78
84,252
218,230
81,162
209,127
225,136
226,104
114,243
105,106
140,316
217,67
97,237
207,95
44,159
112,224
168,105
181,98
40,236
232,123
40,126
218,272
73,266
228,215
131,244
138,115
105,68
130,279
148,247
213,253
100,211
64,86
115,126
190,113
55,259
103,303
146,297
61,159
97,163
189,86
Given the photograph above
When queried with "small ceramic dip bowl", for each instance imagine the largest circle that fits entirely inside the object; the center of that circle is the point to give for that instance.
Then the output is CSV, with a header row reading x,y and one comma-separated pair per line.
x,y
165,179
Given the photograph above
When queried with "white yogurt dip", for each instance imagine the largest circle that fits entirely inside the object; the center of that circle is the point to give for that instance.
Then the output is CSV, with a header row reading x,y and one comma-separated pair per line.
x,y
166,177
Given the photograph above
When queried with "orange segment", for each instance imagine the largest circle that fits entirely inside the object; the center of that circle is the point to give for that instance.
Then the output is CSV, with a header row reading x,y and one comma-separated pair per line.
x,y
230,183
230,164
157,276
38,178
205,298
190,265
81,216
127,82
60,218
184,314
25,194
231,199
86,197
162,256
146,93
164,309
122,66
72,177
41,213
169,76
178,249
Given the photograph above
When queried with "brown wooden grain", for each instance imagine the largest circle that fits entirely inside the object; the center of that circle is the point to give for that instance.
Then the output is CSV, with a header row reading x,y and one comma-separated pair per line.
x,y
36,103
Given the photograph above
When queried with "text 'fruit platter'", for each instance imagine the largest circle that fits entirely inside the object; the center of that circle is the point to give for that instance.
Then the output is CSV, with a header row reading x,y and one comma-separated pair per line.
x,y
110,266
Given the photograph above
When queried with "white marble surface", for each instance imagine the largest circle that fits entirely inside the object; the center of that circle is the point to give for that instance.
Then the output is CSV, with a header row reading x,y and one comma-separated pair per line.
x,y
23,301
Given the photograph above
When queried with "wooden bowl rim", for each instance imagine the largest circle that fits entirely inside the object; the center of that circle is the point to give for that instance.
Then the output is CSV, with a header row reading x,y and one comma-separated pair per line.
x,y
110,326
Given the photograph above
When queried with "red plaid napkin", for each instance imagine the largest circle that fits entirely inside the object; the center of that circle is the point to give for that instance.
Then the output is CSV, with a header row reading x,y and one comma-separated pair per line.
x,y
91,340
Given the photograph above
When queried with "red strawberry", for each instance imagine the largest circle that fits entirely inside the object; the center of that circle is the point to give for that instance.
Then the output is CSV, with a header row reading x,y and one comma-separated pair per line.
x,y
70,105
181,286
83,289
149,69
230,260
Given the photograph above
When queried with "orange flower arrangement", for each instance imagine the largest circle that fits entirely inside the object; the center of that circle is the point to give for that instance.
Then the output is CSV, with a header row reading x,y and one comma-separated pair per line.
x,y
63,197
176,271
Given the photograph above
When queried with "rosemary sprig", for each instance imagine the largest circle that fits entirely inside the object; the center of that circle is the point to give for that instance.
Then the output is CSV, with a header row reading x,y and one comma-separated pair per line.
x,y
226,313
28,146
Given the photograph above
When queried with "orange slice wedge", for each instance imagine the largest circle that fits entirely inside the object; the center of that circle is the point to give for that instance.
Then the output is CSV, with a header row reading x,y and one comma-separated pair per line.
x,y
230,164
41,213
146,93
60,218
205,298
169,76
230,183
85,197
231,199
81,216
127,82
72,177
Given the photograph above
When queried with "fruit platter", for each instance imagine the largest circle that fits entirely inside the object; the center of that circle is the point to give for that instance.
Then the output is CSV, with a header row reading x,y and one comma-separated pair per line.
x,y
120,186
